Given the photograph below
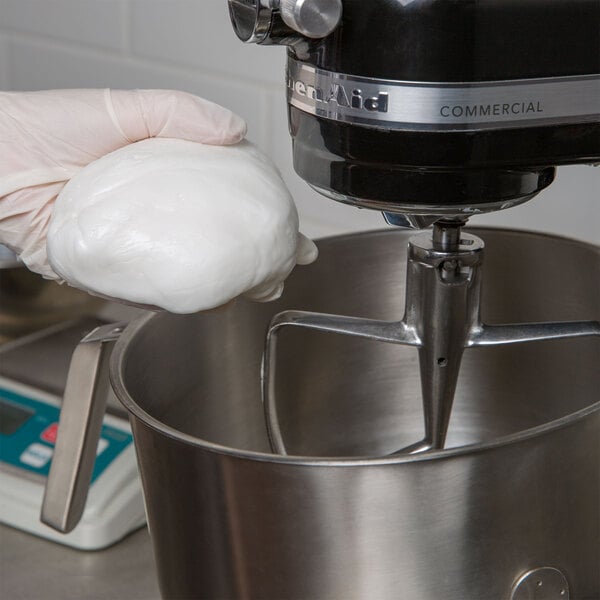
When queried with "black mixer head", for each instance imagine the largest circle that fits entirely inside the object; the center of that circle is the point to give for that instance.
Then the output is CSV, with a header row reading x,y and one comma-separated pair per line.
x,y
439,107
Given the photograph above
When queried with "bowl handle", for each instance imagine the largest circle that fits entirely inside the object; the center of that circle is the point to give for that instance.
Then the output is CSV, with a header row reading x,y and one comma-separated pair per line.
x,y
79,428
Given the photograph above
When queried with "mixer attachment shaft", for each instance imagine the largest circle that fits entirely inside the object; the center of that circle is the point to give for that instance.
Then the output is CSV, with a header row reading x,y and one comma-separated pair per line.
x,y
442,318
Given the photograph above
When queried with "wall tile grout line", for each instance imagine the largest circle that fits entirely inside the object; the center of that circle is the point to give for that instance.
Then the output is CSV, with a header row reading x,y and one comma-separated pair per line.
x,y
5,79
133,59
126,28
57,41
88,22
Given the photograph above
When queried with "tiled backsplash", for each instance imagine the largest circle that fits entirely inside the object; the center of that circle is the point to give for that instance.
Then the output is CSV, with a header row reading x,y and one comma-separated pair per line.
x,y
190,45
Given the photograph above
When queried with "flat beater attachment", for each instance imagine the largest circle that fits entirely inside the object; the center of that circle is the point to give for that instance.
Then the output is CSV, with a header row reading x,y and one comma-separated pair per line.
x,y
442,318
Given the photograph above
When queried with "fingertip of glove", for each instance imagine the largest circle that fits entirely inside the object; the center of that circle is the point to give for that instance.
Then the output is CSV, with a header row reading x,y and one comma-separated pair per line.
x,y
182,115
307,251
200,120
240,128
236,130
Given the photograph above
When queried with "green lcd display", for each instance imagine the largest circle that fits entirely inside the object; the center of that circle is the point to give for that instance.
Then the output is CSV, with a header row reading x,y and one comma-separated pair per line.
x,y
12,417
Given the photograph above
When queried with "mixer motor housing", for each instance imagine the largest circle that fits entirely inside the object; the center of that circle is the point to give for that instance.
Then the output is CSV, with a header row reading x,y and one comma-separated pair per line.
x,y
450,107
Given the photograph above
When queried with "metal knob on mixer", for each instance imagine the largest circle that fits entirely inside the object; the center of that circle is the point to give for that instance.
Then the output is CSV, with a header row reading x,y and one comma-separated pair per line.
x,y
251,19
255,21
312,18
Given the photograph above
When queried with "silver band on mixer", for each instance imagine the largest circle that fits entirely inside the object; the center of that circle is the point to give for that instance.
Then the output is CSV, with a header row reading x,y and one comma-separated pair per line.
x,y
436,106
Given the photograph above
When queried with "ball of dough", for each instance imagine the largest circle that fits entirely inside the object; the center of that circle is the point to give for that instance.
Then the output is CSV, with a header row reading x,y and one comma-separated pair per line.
x,y
177,225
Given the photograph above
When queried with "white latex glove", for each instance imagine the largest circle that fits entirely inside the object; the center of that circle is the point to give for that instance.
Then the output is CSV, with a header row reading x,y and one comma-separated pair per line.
x,y
47,137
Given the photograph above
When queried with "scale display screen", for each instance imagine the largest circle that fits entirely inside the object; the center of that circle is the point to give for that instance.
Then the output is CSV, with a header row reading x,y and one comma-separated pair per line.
x,y
28,430
12,417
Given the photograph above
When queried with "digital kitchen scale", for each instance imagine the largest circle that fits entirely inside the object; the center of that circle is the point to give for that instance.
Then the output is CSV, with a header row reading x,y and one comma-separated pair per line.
x,y
28,428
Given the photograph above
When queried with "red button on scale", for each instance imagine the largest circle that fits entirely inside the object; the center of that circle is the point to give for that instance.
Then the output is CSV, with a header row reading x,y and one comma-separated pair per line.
x,y
49,434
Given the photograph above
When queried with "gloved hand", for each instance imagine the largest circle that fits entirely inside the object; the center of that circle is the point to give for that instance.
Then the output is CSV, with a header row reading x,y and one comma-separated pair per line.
x,y
47,137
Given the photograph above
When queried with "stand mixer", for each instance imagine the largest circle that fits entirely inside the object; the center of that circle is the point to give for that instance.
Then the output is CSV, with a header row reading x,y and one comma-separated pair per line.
x,y
432,112
429,111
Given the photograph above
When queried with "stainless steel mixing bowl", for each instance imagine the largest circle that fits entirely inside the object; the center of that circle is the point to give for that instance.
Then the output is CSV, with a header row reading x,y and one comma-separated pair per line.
x,y
511,506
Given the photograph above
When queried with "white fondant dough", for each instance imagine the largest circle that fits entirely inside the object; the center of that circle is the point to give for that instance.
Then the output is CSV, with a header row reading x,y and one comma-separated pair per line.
x,y
178,225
